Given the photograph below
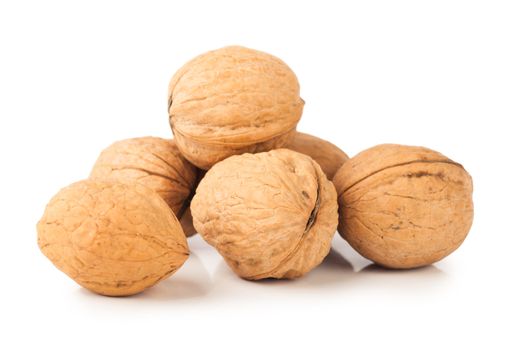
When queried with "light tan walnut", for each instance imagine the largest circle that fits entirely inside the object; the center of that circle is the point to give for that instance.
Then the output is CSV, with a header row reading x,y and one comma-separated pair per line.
x,y
402,206
157,164
231,101
112,238
270,215
326,154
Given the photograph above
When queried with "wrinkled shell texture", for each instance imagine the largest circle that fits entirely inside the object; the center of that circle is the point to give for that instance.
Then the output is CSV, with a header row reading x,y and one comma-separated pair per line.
x,y
155,163
270,215
403,206
231,101
112,238
326,154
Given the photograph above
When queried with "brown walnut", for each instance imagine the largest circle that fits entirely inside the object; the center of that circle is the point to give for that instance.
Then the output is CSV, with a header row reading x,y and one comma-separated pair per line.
x,y
112,238
231,101
157,164
403,206
270,215
326,154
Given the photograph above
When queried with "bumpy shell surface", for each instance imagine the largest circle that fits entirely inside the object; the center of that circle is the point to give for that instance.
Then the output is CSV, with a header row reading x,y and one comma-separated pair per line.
x,y
157,164
403,206
112,238
326,154
270,215
232,101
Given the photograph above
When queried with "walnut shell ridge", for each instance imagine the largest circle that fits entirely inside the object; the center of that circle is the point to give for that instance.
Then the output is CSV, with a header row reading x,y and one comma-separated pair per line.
x,y
270,215
112,238
325,153
230,101
404,206
157,164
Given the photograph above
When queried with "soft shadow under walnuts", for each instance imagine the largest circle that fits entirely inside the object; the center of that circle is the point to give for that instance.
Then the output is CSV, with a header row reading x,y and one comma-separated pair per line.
x,y
336,270
192,281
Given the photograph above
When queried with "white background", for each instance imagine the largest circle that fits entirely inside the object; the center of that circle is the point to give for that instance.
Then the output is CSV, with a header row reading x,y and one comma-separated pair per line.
x,y
74,78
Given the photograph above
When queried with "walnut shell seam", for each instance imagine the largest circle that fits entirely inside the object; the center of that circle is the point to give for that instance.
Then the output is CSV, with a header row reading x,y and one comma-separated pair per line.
x,y
311,220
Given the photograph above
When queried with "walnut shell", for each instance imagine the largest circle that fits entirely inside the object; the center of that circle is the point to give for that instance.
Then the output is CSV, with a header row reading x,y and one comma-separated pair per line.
x,y
112,238
157,164
231,101
270,215
402,206
326,154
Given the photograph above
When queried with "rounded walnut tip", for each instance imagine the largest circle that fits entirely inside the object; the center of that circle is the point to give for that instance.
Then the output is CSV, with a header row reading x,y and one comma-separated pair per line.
x,y
325,153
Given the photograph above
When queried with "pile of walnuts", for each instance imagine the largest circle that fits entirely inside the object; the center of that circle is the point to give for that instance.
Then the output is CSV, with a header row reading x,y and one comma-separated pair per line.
x,y
267,197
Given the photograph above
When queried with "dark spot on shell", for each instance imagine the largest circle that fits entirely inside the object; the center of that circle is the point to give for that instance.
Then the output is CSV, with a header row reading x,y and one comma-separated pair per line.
x,y
253,262
305,194
419,174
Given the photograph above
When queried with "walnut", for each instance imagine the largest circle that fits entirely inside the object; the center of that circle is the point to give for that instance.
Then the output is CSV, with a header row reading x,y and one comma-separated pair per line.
x,y
112,238
326,154
402,206
232,101
270,215
157,164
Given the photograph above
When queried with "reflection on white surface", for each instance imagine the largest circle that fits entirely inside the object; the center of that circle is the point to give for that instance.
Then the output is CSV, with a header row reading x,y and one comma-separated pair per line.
x,y
205,275
342,271
336,274
190,281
